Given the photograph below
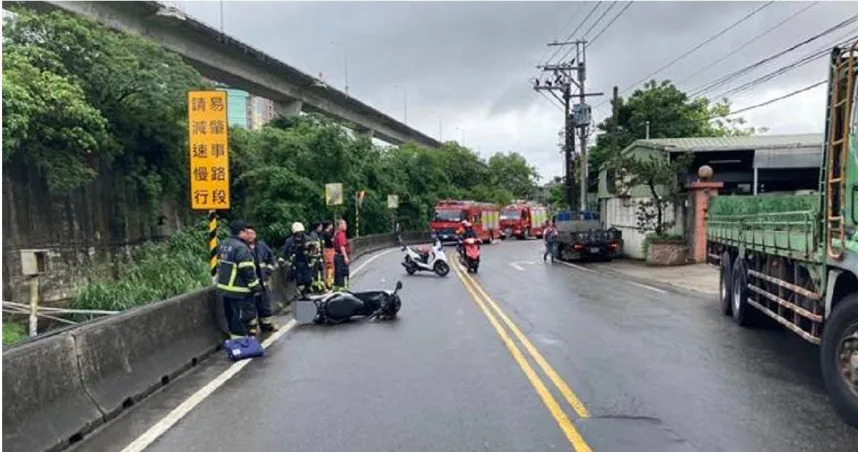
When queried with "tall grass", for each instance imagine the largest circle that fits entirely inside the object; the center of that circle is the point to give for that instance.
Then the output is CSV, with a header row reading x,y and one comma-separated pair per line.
x,y
154,272
13,333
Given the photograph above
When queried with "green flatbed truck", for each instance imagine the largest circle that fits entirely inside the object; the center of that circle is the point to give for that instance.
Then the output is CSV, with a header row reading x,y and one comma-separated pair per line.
x,y
794,259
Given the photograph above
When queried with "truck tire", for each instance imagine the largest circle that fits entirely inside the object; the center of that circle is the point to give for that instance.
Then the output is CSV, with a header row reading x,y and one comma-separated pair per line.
x,y
743,313
725,286
839,358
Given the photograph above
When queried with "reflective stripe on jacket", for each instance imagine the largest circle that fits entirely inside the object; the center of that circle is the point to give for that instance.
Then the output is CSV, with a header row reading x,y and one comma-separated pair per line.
x,y
236,273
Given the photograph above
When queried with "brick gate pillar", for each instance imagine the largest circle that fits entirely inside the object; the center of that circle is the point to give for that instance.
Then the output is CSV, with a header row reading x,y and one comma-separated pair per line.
x,y
699,194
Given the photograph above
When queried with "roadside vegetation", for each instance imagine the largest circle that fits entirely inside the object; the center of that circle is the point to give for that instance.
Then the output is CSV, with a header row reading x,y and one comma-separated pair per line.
x,y
81,100
13,332
155,271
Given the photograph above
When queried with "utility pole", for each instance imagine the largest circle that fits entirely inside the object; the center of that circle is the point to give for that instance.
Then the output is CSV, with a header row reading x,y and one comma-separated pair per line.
x,y
579,118
562,83
615,112
581,49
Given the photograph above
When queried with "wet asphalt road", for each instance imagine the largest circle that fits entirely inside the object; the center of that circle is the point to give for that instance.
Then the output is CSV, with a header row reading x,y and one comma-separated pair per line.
x,y
657,369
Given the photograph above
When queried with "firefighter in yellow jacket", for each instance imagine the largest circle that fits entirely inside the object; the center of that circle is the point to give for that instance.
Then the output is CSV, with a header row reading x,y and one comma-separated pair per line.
x,y
237,280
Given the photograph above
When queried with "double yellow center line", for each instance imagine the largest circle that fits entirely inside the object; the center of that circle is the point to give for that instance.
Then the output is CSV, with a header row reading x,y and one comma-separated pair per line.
x,y
484,301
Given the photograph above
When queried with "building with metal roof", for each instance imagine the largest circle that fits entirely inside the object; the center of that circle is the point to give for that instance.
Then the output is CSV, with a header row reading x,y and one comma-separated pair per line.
x,y
746,164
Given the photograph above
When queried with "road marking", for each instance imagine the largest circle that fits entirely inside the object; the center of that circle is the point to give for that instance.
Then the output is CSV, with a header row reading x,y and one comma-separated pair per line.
x,y
576,266
550,402
149,436
154,432
516,266
654,289
376,256
555,378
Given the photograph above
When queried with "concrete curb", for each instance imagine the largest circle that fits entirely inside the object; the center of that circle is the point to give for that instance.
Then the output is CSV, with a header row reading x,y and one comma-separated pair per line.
x,y
60,387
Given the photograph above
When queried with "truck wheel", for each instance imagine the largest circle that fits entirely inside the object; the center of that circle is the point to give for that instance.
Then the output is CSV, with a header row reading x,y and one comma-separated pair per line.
x,y
839,358
725,288
743,313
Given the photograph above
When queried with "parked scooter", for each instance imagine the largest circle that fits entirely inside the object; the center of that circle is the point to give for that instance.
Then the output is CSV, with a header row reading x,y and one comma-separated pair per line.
x,y
431,260
339,307
470,254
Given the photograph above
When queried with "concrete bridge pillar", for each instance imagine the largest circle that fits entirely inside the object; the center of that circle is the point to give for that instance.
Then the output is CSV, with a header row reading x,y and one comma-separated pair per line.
x,y
288,108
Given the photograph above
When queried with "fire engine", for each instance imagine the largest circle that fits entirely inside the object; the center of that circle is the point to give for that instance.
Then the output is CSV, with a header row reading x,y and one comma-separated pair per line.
x,y
449,215
522,220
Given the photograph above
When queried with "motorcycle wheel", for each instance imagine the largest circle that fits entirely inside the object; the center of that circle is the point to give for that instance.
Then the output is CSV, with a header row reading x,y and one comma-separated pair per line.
x,y
441,268
410,270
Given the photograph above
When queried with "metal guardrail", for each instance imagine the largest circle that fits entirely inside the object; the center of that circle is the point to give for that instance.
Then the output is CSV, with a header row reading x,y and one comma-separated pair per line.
x,y
46,312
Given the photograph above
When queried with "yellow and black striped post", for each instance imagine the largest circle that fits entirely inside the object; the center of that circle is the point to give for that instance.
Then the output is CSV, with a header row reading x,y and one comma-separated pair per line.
x,y
213,242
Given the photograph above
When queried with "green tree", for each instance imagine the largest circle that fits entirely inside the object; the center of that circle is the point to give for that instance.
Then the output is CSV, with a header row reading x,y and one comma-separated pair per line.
x,y
47,121
670,113
512,173
662,175
138,87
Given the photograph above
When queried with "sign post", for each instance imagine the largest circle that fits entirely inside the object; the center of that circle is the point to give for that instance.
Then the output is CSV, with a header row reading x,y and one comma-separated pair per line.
x,y
358,201
208,146
393,204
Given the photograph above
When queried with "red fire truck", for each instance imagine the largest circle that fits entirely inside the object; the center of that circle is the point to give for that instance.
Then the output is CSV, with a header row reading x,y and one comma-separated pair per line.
x,y
522,220
449,215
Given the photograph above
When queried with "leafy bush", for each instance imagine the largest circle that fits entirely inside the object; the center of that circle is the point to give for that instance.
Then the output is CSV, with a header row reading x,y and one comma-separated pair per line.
x,y
153,272
13,333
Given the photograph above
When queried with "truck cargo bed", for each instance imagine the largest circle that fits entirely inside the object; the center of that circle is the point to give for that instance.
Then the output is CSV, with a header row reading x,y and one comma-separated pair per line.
x,y
779,225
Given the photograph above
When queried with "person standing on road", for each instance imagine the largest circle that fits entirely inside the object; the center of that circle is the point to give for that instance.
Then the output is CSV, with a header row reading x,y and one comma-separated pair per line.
x,y
296,258
328,252
237,281
263,258
549,234
342,252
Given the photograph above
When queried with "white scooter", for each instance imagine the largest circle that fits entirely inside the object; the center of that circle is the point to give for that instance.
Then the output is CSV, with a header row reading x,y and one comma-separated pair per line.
x,y
434,260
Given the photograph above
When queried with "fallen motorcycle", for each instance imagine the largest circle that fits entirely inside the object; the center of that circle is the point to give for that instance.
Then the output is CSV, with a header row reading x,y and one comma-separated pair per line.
x,y
339,307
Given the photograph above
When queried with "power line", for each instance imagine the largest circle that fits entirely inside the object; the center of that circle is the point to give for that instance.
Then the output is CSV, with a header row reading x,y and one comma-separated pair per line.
x,y
562,30
629,4
568,38
749,42
784,69
550,101
771,101
697,47
611,6
736,74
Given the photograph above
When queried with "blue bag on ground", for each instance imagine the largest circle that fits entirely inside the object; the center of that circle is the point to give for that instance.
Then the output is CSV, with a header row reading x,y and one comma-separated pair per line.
x,y
242,348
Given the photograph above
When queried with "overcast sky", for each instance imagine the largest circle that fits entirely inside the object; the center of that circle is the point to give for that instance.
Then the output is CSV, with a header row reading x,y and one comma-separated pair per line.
x,y
467,64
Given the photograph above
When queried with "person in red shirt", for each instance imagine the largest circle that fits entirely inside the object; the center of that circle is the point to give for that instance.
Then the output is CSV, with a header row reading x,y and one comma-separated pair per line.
x,y
341,258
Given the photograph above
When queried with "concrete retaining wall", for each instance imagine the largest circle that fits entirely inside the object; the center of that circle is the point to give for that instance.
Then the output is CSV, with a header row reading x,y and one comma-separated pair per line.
x,y
61,386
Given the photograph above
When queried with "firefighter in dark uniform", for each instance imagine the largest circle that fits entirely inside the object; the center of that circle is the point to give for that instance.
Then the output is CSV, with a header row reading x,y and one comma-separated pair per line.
x,y
263,258
317,267
297,258
237,281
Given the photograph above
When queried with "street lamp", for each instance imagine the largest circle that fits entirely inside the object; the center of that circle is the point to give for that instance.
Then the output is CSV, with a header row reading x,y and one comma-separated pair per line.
x,y
405,102
345,64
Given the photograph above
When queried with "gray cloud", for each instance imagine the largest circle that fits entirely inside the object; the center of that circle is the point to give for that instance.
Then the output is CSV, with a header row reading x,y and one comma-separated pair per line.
x,y
467,63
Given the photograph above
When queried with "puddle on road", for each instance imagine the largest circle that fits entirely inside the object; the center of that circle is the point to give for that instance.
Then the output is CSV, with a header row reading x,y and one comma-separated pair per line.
x,y
630,434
